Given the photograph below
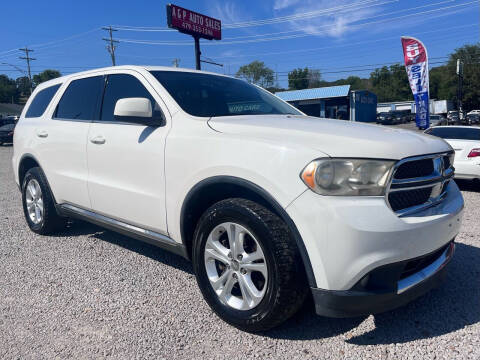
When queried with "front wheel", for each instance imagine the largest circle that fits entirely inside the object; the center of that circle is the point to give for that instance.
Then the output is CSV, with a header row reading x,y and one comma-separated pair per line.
x,y
247,265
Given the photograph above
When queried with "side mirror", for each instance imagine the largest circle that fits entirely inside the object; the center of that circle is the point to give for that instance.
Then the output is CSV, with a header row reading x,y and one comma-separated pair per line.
x,y
138,110
133,107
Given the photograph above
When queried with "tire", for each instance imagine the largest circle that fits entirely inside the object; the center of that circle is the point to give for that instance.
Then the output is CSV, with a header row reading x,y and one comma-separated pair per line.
x,y
285,287
49,222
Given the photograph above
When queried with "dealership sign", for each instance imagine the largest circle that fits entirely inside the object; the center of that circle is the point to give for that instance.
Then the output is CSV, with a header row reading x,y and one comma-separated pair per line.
x,y
193,23
416,64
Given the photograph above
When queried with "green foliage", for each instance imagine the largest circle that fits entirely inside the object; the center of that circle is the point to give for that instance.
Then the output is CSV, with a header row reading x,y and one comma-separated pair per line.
x,y
355,82
391,83
256,72
306,78
444,79
23,85
8,90
45,76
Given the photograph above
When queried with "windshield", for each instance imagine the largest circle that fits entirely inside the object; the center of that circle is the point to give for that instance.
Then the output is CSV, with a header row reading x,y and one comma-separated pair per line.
x,y
211,95
456,133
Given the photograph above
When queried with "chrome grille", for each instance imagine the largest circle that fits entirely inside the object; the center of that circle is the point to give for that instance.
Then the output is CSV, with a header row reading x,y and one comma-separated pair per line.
x,y
419,182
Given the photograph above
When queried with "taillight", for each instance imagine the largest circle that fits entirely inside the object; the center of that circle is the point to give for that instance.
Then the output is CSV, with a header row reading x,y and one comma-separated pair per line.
x,y
474,153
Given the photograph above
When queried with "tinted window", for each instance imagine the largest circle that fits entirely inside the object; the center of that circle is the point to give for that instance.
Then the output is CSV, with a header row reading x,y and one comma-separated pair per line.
x,y
210,95
41,101
121,86
81,99
456,133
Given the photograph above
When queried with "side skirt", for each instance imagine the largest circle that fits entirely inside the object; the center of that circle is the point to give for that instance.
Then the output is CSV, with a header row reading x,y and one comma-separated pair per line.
x,y
148,236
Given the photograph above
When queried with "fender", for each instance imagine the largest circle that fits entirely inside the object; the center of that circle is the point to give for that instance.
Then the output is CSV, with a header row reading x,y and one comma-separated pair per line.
x,y
278,209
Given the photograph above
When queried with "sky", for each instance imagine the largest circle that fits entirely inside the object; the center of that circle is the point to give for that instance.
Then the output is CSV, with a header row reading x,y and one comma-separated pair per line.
x,y
340,38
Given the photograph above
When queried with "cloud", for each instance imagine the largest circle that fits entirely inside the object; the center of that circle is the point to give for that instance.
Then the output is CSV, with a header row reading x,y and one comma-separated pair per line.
x,y
335,23
282,4
228,12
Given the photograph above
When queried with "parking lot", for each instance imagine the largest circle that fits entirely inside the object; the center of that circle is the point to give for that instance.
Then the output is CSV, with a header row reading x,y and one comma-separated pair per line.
x,y
91,293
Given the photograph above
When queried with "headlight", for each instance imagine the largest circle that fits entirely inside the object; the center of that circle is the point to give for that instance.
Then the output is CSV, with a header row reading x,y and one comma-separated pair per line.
x,y
347,177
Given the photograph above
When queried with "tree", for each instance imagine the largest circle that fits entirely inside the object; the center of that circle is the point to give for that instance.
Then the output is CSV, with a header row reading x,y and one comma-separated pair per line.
x,y
390,83
8,90
23,84
470,56
257,73
45,75
298,79
306,78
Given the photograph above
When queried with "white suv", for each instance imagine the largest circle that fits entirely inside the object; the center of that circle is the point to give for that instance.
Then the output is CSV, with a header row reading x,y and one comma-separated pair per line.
x,y
269,204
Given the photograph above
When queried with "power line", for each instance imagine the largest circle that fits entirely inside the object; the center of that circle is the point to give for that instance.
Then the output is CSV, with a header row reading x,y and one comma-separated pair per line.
x,y
278,19
111,48
329,25
284,37
28,58
274,20
350,44
55,42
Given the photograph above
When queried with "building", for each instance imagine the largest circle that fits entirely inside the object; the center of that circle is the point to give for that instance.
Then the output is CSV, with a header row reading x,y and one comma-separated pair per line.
x,y
436,106
335,102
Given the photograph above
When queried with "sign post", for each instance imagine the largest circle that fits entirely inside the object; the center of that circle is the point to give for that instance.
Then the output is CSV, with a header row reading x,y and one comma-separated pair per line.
x,y
194,24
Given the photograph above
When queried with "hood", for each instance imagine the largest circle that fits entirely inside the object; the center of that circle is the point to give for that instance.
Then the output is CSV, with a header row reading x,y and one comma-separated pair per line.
x,y
336,138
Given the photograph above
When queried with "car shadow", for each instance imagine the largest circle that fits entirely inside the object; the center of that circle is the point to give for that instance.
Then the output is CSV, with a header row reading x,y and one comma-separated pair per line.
x,y
78,227
452,306
468,185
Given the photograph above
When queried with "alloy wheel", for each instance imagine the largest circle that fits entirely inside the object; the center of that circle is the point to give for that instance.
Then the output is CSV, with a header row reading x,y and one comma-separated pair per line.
x,y
236,266
34,201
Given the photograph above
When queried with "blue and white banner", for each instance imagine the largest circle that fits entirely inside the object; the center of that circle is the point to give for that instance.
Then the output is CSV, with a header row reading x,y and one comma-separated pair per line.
x,y
416,64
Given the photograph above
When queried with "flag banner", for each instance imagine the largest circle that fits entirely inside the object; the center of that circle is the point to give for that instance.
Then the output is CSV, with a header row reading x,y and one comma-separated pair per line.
x,y
416,64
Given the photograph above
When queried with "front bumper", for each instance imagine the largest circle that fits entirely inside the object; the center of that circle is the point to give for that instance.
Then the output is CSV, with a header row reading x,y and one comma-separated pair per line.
x,y
385,288
347,237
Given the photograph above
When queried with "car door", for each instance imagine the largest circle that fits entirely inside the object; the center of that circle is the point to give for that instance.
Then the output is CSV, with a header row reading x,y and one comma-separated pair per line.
x,y
63,138
126,157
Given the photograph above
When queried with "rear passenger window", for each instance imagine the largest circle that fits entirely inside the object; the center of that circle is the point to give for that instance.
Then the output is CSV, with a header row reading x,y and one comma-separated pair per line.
x,y
40,101
81,100
121,86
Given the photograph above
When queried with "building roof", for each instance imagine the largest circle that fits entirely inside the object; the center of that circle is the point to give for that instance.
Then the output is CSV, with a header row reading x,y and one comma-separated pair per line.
x,y
316,93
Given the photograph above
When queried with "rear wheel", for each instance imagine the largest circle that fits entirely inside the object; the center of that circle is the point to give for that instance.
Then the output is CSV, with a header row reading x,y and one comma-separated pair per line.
x,y
38,204
247,265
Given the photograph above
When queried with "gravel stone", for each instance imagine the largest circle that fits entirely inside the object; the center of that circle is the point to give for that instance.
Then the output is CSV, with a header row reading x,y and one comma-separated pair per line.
x,y
92,293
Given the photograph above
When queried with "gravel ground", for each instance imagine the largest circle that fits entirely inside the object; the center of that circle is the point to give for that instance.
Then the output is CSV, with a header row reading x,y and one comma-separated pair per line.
x,y
91,293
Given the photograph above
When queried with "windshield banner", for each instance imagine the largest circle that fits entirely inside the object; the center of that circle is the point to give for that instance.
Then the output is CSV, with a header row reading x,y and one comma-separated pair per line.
x,y
416,64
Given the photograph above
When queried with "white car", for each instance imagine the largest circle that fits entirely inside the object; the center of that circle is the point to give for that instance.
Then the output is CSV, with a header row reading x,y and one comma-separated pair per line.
x,y
473,112
465,140
269,204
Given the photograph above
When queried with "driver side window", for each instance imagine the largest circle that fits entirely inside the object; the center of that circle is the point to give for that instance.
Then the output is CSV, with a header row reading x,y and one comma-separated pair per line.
x,y
119,86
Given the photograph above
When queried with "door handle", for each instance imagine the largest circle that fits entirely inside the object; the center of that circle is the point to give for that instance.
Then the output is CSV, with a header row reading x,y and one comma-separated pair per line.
x,y
98,140
42,134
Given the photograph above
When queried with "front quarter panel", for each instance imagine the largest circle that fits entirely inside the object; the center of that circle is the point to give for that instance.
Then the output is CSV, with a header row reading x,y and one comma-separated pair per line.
x,y
195,152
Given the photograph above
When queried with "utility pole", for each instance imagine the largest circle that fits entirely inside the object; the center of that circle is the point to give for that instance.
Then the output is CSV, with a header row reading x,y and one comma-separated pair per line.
x,y
28,58
198,53
111,47
460,85
175,62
